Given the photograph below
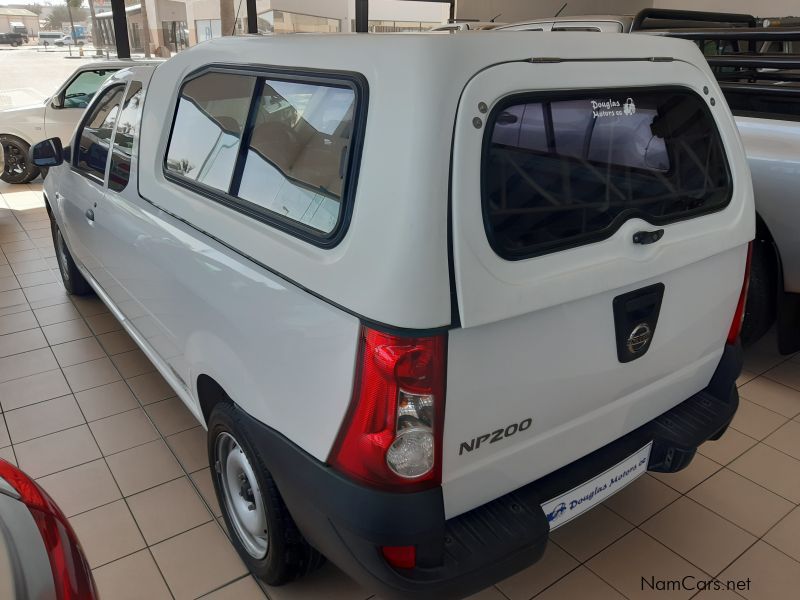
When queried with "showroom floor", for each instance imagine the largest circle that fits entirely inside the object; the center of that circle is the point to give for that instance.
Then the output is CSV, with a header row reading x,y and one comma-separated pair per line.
x,y
84,412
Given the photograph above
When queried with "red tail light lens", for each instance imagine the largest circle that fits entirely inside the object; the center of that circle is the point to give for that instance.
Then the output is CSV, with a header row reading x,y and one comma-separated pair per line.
x,y
392,437
72,576
400,557
738,316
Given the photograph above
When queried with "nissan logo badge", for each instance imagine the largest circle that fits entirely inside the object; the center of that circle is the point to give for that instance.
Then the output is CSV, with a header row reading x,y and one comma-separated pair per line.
x,y
639,338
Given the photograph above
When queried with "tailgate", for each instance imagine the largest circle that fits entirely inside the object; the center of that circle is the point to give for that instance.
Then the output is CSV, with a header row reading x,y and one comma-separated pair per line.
x,y
601,212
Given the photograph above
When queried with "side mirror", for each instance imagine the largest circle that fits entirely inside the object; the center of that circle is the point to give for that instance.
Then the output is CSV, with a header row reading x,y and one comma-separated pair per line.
x,y
57,101
48,153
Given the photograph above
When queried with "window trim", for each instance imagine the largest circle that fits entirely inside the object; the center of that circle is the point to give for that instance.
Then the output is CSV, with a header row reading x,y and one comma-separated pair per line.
x,y
354,81
75,145
135,149
624,216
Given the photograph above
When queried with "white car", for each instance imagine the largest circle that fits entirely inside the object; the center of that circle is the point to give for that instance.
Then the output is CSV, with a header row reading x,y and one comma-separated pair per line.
x,y
426,301
57,116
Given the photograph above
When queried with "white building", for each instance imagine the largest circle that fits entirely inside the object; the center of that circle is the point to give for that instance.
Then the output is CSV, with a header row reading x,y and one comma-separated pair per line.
x,y
176,24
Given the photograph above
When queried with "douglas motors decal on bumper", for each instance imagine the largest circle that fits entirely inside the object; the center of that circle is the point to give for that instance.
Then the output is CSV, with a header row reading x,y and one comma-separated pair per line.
x,y
579,499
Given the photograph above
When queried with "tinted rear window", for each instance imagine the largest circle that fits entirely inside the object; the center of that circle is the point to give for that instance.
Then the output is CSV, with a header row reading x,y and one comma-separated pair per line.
x,y
566,170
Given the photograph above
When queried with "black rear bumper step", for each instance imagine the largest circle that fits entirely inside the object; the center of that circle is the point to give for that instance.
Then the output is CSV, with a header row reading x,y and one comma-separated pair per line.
x,y
460,556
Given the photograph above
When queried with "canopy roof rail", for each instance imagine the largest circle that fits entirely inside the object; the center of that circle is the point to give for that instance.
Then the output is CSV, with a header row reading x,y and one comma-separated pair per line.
x,y
665,14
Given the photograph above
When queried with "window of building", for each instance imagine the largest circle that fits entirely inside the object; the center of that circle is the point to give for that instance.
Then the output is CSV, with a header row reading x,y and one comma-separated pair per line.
x,y
281,21
208,29
94,139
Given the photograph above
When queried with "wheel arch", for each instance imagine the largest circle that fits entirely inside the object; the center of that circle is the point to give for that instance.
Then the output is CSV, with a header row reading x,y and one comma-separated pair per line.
x,y
17,135
209,394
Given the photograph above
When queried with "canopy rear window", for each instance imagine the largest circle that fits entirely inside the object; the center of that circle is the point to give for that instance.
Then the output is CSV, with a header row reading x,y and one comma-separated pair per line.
x,y
565,169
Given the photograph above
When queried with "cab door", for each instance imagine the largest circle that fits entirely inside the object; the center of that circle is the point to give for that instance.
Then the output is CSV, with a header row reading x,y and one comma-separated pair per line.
x,y
82,186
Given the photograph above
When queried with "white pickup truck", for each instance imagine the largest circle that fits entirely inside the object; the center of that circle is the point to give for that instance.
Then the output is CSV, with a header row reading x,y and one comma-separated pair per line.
x,y
432,296
56,116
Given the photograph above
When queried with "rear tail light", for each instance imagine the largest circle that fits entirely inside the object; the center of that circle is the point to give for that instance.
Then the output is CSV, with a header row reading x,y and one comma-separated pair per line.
x,y
392,436
738,316
72,576
400,557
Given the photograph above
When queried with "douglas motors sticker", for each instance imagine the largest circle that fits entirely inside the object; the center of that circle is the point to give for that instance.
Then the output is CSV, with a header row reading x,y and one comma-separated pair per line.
x,y
613,108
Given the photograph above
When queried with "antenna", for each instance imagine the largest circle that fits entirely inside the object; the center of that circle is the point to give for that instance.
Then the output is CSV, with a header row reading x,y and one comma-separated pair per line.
x,y
494,17
560,10
236,18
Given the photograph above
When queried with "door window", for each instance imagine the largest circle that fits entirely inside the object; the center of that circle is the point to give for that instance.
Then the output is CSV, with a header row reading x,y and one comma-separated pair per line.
x,y
124,138
94,138
561,171
82,89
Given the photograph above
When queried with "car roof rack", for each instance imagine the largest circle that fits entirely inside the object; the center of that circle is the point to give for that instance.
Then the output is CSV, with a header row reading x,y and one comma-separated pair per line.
x,y
664,18
752,34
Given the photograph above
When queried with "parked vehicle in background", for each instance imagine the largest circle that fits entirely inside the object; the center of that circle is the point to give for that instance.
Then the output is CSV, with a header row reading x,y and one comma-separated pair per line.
x,y
467,26
40,556
68,40
13,39
496,312
46,38
57,116
601,23
648,18
762,88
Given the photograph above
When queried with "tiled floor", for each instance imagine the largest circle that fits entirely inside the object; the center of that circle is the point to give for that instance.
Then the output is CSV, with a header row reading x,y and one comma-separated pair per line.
x,y
85,413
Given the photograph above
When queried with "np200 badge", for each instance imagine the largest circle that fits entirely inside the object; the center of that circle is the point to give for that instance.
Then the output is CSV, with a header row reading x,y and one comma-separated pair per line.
x,y
494,436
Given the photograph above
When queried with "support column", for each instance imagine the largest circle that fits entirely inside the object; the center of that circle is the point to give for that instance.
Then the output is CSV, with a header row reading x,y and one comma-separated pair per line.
x,y
120,28
362,16
252,17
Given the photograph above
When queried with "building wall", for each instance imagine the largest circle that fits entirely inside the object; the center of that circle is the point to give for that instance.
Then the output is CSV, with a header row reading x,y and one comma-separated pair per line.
x,y
763,8
519,10
31,23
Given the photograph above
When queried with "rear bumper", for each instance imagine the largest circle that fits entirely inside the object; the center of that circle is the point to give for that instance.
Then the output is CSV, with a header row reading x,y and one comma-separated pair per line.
x,y
348,522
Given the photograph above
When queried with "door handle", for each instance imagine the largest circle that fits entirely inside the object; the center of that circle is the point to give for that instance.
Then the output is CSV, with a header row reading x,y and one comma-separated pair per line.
x,y
90,214
647,237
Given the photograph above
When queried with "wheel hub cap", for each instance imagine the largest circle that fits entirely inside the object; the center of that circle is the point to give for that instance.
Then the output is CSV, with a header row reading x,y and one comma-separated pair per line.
x,y
242,496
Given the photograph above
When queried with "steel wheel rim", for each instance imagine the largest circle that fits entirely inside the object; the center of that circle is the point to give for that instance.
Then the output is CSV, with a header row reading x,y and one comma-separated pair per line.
x,y
63,264
14,159
242,496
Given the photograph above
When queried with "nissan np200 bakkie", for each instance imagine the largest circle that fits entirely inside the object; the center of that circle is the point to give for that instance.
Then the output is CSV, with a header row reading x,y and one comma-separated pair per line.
x,y
432,295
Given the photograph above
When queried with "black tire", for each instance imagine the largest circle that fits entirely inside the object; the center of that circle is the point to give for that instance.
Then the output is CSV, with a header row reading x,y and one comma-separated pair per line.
x,y
17,166
288,556
43,171
760,311
74,281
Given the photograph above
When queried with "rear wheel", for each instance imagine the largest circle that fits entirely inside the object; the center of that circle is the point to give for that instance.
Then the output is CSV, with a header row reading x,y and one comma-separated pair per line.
x,y
262,531
761,304
74,281
17,167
